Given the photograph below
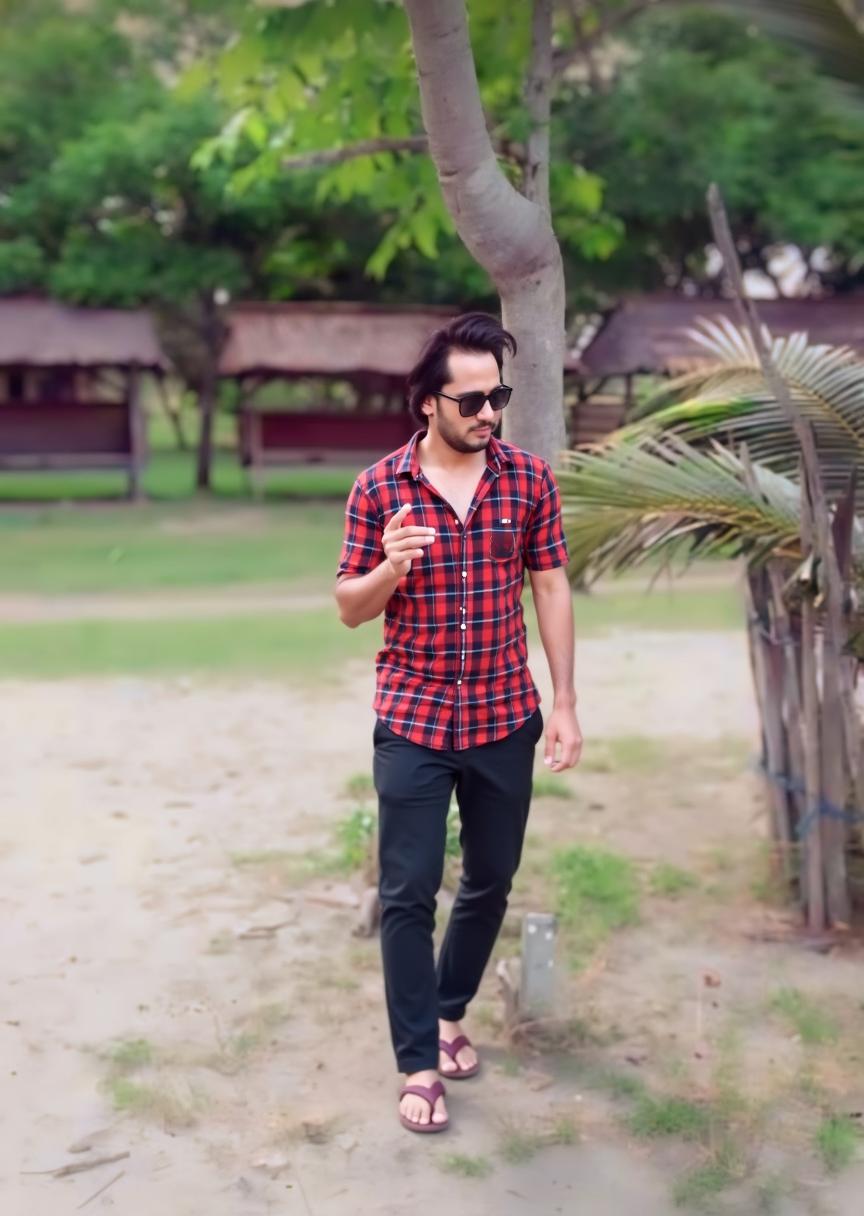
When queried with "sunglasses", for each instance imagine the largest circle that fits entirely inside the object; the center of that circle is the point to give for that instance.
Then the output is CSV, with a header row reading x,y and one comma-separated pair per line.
x,y
472,403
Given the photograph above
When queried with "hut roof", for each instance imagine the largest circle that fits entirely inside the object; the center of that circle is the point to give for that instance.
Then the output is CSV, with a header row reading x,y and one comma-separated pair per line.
x,y
327,338
44,333
648,333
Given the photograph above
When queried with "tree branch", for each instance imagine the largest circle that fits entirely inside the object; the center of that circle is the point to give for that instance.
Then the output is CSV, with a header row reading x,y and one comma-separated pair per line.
x,y
363,147
538,94
609,23
507,234
507,148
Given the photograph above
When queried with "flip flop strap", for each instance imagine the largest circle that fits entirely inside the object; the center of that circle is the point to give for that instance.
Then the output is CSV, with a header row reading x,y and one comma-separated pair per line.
x,y
453,1049
429,1093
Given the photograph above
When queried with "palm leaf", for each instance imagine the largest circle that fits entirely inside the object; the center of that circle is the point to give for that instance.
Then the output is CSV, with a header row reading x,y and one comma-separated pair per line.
x,y
629,502
729,399
829,30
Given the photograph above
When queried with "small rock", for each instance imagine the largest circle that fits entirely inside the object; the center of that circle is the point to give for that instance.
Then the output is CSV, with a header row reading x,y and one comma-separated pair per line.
x,y
272,1163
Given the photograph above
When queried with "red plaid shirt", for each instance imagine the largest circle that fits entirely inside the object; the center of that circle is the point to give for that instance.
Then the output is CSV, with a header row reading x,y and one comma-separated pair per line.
x,y
453,671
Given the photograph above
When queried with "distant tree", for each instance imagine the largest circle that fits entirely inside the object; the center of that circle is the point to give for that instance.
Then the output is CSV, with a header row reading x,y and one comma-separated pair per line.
x,y
759,121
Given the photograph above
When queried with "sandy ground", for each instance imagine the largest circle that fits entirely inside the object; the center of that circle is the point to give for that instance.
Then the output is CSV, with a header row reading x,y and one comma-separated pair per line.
x,y
270,1079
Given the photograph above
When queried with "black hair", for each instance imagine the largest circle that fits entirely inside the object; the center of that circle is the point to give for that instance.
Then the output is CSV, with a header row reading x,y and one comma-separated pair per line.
x,y
473,331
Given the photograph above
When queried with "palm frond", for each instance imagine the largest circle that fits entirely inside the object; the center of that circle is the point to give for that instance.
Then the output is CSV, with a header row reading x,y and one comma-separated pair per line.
x,y
829,30
628,502
729,399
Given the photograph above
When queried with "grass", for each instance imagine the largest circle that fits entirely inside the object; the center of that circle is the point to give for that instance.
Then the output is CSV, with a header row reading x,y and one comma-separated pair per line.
x,y
465,1166
359,786
518,1145
597,892
170,476
251,1034
837,1140
354,834
671,881
156,1099
548,785
697,1187
309,644
152,1101
61,550
809,1022
131,1054
654,1117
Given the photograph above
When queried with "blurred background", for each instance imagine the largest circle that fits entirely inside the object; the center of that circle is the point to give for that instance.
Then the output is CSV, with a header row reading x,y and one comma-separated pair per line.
x,y
222,244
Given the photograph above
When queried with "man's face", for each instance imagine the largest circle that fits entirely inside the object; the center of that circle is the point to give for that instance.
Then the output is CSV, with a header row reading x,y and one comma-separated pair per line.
x,y
469,372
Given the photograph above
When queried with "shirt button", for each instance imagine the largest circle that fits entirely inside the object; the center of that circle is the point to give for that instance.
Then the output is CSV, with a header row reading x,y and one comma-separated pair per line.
x,y
463,626
464,573
458,681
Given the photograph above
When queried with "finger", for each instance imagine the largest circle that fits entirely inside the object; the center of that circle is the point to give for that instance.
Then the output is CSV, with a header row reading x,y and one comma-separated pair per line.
x,y
551,741
400,540
396,519
417,531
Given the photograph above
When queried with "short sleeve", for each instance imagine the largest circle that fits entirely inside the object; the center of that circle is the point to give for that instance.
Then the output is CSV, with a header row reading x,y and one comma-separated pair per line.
x,y
545,546
362,550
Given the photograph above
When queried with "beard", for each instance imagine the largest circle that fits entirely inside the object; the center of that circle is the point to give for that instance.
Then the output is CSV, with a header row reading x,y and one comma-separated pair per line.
x,y
467,442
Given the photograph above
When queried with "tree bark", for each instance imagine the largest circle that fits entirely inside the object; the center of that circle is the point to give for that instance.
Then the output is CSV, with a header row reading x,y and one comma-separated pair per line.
x,y
212,338
509,235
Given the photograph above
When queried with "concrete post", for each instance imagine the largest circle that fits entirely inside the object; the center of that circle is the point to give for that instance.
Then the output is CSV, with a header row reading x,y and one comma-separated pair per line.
x,y
537,980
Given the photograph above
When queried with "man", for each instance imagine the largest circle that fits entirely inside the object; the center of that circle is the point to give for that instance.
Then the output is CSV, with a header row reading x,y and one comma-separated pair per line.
x,y
438,536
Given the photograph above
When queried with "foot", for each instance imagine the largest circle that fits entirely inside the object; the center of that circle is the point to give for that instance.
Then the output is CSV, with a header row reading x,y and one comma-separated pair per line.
x,y
414,1107
466,1057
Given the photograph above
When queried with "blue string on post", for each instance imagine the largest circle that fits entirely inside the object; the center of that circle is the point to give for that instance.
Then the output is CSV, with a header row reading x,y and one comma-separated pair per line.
x,y
822,810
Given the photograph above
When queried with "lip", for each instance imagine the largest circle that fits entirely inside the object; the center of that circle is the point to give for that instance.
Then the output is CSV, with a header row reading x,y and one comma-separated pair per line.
x,y
483,430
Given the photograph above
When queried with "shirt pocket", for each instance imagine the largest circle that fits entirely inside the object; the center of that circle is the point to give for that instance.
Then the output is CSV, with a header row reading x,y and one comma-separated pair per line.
x,y
502,540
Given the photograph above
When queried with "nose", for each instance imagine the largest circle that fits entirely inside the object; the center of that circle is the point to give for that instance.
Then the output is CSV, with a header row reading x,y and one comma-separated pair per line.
x,y
487,414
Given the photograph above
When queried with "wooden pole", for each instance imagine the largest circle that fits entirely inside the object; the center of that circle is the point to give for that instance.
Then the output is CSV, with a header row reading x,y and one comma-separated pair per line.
x,y
137,438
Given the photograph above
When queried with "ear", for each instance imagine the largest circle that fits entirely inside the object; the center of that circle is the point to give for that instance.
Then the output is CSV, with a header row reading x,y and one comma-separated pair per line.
x,y
428,406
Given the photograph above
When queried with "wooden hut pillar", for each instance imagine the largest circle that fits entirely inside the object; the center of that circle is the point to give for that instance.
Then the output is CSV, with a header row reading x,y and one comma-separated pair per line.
x,y
137,438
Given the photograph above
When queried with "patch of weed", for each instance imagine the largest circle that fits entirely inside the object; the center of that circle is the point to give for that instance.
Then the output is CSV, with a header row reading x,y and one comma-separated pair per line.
x,y
811,1023
671,881
668,1116
597,892
547,785
837,1139
466,1167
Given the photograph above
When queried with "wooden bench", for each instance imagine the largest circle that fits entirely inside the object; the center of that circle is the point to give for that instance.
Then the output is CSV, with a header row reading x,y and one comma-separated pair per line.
x,y
592,420
270,439
71,436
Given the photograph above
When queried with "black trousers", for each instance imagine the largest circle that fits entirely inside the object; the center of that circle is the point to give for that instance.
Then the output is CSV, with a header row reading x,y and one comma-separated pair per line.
x,y
415,785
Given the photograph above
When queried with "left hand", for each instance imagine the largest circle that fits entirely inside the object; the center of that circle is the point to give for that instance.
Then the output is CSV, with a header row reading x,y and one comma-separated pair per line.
x,y
562,732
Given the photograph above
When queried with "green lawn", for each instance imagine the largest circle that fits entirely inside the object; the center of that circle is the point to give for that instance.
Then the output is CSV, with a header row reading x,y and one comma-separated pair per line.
x,y
170,476
303,644
194,544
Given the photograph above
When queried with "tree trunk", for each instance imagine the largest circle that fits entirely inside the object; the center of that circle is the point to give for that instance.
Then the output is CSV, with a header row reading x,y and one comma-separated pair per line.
x,y
213,333
508,234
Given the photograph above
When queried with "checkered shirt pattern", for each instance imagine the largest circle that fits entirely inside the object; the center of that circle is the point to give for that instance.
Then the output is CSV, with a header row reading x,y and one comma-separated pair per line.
x,y
453,671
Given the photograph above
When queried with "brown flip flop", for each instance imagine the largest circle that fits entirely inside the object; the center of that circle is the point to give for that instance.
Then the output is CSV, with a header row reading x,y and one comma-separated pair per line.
x,y
430,1094
452,1050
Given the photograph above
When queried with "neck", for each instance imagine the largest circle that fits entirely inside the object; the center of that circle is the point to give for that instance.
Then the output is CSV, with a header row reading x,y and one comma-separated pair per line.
x,y
433,450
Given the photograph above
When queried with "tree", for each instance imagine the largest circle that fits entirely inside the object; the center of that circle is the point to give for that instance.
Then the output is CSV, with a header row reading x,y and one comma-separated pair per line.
x,y
316,89
510,234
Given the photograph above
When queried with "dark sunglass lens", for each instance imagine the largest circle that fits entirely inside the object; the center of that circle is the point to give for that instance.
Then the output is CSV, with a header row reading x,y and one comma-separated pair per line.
x,y
499,397
471,404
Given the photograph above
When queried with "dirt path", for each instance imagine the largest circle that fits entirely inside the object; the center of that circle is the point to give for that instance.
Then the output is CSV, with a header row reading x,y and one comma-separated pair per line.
x,y
242,599
136,854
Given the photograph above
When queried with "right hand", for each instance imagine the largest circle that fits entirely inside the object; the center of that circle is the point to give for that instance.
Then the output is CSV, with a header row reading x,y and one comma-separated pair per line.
x,y
403,545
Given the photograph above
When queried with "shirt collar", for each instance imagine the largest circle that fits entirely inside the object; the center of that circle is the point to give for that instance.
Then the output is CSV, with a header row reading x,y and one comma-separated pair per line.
x,y
409,464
